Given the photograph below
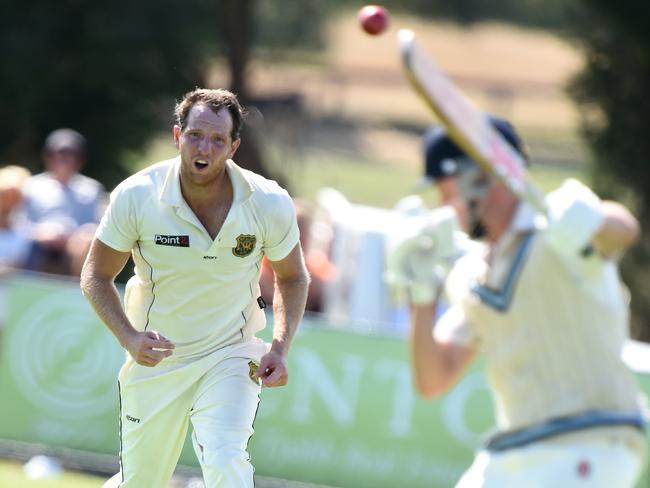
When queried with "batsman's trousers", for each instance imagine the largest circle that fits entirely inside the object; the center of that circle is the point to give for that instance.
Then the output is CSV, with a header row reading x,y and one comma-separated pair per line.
x,y
602,457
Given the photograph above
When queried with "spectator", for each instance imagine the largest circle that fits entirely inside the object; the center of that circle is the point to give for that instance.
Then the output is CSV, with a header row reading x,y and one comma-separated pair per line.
x,y
13,242
61,205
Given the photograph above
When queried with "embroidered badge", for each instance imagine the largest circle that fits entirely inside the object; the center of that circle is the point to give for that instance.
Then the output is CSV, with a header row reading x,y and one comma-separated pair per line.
x,y
245,245
252,372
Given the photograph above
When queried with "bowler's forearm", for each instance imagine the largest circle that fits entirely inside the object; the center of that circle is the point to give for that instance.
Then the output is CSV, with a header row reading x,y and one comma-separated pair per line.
x,y
105,300
289,302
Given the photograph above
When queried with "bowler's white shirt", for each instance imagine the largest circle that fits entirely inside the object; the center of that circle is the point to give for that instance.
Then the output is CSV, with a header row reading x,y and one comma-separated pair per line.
x,y
198,292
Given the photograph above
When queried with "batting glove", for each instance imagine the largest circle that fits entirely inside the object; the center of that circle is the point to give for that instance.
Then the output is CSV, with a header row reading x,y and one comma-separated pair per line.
x,y
420,253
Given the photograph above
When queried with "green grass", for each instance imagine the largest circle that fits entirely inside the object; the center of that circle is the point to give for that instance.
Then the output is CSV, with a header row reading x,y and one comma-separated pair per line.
x,y
379,183
382,184
548,178
12,475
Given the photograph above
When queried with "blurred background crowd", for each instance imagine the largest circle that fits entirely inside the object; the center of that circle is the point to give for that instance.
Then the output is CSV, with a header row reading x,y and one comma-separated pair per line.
x,y
48,219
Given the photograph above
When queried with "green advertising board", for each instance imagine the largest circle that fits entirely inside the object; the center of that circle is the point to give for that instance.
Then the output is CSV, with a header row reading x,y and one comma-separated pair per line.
x,y
58,368
349,416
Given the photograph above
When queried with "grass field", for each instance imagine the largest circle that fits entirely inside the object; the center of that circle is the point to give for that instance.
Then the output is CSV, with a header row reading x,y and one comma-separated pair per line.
x,y
359,124
13,476
518,72
376,182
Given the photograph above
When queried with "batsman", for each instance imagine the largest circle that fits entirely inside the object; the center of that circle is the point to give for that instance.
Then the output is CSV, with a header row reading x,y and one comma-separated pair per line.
x,y
197,227
540,297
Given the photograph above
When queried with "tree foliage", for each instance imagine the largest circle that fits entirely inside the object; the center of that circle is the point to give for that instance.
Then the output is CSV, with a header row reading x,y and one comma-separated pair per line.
x,y
290,23
612,91
112,70
538,13
108,69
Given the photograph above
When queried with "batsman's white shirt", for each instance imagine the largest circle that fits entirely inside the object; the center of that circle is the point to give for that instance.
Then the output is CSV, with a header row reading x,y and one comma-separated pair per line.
x,y
550,319
198,292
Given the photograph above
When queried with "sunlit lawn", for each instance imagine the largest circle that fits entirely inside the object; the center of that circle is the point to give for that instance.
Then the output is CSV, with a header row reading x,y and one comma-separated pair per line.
x,y
13,476
382,184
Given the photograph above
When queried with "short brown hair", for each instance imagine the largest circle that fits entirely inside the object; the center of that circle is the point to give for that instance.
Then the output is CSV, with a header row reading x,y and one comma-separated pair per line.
x,y
215,100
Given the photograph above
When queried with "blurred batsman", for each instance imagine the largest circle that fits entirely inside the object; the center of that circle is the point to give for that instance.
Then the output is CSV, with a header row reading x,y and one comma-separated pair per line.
x,y
541,298
197,227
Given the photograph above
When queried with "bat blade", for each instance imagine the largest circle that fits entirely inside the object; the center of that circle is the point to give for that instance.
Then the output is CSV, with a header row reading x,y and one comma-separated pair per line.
x,y
468,127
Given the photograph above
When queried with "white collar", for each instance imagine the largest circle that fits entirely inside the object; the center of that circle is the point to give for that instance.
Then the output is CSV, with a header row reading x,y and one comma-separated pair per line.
x,y
525,219
171,190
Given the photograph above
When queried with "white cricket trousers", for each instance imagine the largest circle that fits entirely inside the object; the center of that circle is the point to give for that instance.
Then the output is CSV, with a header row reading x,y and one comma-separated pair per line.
x,y
215,393
605,463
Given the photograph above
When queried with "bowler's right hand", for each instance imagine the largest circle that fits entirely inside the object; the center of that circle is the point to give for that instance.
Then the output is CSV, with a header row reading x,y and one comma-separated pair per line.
x,y
149,348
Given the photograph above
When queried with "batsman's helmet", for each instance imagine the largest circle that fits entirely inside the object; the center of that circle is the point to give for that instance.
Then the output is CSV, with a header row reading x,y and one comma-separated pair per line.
x,y
441,153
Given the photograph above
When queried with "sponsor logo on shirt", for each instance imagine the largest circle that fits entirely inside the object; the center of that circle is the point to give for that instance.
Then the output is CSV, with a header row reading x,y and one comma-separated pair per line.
x,y
176,241
245,245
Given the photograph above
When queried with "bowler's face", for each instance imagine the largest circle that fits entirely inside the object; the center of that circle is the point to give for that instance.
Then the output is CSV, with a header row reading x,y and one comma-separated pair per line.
x,y
205,144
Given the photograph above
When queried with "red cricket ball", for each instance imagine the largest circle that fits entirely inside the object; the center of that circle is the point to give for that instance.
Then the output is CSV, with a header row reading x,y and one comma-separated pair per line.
x,y
373,19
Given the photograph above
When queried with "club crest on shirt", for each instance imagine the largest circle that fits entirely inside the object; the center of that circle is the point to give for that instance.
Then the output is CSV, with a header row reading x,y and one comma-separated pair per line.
x,y
245,245
252,372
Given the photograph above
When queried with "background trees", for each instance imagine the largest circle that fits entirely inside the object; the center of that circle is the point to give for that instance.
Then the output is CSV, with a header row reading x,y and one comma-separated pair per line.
x,y
113,69
109,69
613,92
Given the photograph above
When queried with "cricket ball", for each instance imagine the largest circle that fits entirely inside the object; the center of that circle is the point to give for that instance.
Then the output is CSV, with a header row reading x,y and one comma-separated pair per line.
x,y
373,19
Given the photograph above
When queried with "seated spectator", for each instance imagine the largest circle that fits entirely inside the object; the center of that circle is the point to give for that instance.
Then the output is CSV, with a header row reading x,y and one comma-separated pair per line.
x,y
318,264
60,205
13,243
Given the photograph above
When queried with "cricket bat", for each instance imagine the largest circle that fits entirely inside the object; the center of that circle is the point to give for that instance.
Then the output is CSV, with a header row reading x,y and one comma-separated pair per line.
x,y
468,127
